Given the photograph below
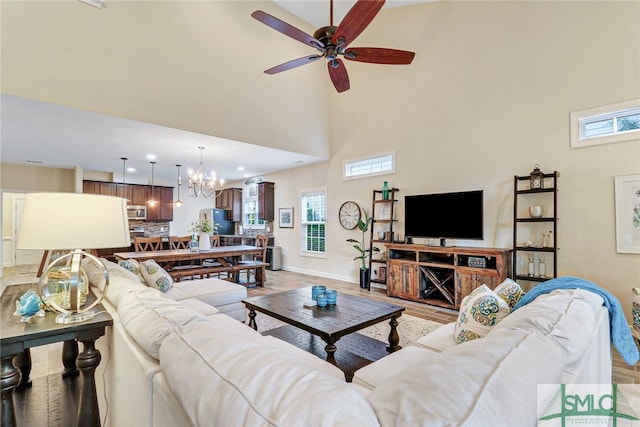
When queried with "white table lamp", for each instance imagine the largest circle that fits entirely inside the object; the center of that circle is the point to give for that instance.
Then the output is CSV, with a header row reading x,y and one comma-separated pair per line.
x,y
72,222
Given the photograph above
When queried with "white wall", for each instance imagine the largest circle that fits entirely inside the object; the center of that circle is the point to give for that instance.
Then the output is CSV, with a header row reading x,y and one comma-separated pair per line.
x,y
487,97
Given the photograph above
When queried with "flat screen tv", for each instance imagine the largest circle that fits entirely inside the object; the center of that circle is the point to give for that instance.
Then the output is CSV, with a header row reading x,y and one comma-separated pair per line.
x,y
445,215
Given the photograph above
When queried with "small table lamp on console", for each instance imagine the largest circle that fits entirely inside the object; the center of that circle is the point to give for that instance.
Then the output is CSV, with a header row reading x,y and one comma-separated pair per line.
x,y
72,222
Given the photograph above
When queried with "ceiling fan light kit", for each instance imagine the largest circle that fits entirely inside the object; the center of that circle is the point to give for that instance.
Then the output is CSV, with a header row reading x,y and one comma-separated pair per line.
x,y
332,42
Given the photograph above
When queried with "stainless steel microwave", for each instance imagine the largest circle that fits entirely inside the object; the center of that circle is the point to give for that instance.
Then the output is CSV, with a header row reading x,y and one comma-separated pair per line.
x,y
137,212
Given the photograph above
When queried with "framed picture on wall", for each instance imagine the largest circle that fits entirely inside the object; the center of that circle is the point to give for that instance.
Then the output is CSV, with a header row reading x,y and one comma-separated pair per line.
x,y
286,218
627,191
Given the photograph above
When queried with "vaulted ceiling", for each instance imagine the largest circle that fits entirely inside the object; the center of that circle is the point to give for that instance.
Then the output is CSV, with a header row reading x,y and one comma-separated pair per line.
x,y
83,86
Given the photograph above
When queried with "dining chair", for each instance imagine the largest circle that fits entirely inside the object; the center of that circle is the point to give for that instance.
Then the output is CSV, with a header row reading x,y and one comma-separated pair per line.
x,y
179,242
144,244
182,242
215,242
261,240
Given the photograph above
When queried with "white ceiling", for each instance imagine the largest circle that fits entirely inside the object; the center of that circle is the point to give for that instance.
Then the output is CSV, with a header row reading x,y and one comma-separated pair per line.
x,y
40,133
317,13
36,132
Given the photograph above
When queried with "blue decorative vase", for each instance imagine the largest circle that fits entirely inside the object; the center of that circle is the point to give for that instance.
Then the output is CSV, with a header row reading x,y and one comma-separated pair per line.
x,y
332,297
317,290
194,245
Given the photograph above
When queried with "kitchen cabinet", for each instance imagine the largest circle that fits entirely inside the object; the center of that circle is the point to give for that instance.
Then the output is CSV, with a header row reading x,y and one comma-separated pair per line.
x,y
230,200
163,210
99,187
139,194
136,195
266,209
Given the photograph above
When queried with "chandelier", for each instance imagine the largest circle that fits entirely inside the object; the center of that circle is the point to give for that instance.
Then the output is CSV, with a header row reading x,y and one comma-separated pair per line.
x,y
201,183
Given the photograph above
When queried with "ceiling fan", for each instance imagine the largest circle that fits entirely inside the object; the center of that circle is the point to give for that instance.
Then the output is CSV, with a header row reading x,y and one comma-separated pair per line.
x,y
332,42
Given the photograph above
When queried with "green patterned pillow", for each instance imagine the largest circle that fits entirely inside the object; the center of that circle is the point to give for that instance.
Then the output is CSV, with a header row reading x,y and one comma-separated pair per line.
x,y
510,292
156,276
133,266
480,311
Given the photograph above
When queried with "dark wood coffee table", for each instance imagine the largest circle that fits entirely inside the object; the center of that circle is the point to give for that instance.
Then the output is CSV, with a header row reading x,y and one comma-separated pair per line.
x,y
350,314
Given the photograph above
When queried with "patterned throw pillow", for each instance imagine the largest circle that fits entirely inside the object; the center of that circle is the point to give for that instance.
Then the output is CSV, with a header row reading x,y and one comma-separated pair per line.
x,y
480,311
635,311
510,292
156,276
133,266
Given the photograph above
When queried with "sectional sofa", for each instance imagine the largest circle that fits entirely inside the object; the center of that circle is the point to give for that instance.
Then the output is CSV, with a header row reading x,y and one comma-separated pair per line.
x,y
185,358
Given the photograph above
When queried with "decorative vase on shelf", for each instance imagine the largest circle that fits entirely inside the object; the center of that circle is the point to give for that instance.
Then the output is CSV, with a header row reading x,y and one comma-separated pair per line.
x,y
385,191
205,242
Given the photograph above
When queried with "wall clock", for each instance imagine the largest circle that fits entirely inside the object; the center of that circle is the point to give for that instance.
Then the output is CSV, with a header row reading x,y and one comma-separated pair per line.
x,y
349,215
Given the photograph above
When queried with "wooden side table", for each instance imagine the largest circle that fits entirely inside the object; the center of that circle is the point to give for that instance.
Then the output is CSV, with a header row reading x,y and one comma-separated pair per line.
x,y
17,337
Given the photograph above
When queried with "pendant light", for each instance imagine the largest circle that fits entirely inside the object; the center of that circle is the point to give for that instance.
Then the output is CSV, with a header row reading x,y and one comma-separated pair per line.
x,y
124,169
124,176
152,202
178,202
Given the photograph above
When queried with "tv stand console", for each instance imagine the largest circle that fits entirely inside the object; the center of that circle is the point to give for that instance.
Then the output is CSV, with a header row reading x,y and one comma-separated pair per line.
x,y
443,276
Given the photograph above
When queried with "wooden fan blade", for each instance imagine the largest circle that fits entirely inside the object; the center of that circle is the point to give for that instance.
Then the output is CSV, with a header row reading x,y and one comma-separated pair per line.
x,y
339,75
287,29
293,64
379,55
356,20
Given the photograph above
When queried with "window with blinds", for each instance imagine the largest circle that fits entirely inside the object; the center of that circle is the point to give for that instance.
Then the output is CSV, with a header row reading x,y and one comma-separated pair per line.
x,y
313,218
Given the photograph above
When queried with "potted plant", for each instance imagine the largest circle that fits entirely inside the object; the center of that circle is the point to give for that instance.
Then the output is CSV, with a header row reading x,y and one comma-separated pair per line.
x,y
363,252
202,230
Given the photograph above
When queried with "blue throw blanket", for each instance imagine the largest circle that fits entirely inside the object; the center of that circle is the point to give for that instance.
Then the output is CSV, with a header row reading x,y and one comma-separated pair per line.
x,y
620,332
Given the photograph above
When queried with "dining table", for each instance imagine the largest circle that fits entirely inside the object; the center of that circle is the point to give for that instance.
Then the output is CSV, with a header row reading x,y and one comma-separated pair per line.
x,y
220,259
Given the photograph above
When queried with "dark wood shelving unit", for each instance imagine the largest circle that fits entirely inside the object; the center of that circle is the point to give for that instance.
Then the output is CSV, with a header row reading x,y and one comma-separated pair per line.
x,y
381,207
525,225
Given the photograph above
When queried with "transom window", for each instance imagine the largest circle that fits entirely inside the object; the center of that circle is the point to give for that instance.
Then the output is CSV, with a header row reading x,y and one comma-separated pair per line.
x,y
603,125
370,166
313,210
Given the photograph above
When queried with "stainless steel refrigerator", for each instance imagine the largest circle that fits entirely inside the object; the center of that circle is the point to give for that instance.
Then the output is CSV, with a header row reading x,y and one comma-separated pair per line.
x,y
219,217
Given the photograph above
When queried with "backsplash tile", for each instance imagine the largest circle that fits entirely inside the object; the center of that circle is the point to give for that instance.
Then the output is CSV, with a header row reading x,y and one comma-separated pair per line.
x,y
150,229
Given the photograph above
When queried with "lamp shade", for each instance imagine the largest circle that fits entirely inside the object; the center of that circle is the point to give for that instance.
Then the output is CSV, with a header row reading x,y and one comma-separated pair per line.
x,y
73,221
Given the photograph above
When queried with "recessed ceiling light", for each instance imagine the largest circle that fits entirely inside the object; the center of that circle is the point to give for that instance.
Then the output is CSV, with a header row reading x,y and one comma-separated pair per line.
x,y
246,175
131,169
151,156
240,168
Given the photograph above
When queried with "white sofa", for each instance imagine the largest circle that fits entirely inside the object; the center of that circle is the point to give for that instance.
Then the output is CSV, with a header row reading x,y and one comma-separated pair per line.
x,y
560,338
175,363
185,358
